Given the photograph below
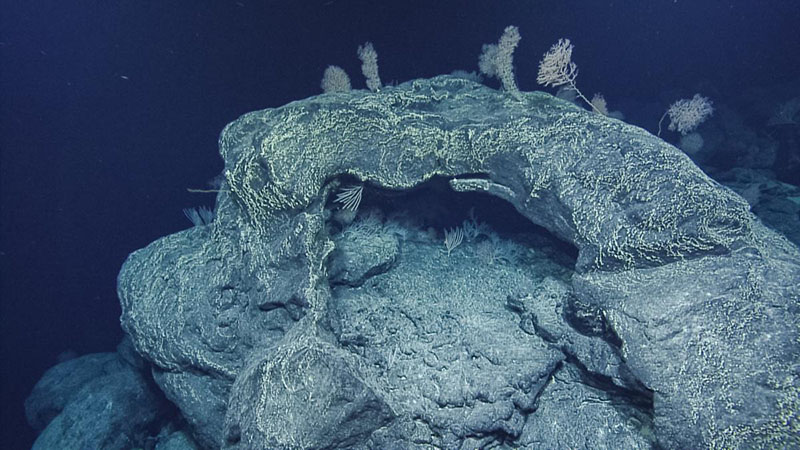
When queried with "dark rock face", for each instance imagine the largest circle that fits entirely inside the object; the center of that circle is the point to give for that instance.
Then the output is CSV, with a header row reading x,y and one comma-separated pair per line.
x,y
95,401
274,327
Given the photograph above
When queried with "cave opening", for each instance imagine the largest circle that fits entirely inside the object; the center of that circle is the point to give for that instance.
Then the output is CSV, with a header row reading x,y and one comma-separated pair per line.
x,y
431,209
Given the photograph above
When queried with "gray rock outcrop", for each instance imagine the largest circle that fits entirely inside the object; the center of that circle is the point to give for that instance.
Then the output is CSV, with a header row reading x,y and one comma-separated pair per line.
x,y
675,324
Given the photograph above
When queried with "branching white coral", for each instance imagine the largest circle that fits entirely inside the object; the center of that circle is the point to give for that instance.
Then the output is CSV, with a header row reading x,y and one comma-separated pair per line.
x,y
686,114
557,69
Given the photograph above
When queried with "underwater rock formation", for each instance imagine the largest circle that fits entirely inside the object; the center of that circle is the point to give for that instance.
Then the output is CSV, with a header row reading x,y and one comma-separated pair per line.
x,y
654,309
100,400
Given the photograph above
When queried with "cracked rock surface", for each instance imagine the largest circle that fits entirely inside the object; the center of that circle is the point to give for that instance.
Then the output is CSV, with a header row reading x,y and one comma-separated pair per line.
x,y
640,303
